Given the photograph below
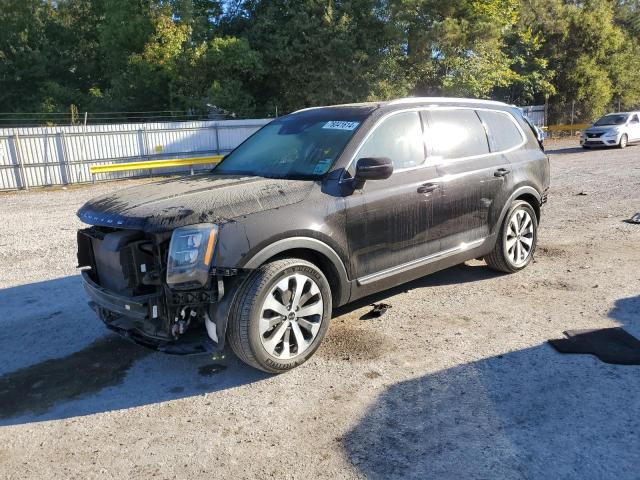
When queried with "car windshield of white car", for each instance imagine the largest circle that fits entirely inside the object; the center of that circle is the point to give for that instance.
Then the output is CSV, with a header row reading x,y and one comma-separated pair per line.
x,y
614,119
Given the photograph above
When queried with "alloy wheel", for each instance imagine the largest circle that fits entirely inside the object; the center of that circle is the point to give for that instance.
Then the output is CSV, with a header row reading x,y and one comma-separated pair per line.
x,y
520,237
290,317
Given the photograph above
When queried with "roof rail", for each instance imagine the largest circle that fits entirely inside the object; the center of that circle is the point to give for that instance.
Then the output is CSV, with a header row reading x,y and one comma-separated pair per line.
x,y
400,101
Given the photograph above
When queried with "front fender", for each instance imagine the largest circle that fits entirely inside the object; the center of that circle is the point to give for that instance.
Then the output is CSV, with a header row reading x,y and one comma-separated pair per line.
x,y
219,312
305,243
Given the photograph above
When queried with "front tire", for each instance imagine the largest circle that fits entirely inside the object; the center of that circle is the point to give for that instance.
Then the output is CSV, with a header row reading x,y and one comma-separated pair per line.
x,y
281,315
624,141
516,241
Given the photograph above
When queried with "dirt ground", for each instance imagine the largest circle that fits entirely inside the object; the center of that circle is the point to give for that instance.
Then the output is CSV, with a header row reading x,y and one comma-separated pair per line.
x,y
455,381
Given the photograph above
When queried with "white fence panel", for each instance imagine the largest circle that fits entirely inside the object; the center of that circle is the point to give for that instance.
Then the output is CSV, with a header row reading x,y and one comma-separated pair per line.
x,y
33,157
536,114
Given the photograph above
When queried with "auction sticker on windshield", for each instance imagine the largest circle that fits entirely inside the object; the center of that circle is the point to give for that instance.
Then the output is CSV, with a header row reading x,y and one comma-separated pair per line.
x,y
341,125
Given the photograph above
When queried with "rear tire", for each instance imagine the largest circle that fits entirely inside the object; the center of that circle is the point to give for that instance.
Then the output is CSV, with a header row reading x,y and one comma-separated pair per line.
x,y
270,310
517,239
624,141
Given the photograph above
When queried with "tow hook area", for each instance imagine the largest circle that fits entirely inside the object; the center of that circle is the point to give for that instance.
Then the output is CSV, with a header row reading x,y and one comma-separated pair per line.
x,y
182,321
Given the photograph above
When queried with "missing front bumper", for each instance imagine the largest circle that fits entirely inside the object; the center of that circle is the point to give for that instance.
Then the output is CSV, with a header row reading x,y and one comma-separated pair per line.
x,y
142,320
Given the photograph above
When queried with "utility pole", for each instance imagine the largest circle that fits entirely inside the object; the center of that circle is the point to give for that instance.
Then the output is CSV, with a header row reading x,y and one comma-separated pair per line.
x,y
573,111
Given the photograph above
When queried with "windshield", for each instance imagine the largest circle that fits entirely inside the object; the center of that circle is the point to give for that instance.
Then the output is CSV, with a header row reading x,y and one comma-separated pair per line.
x,y
301,145
613,119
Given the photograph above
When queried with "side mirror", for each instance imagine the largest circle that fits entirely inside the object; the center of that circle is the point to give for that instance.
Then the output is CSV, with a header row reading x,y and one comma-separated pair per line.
x,y
540,137
379,168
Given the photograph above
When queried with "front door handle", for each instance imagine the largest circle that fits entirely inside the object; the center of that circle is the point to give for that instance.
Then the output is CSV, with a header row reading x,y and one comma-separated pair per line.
x,y
501,172
427,188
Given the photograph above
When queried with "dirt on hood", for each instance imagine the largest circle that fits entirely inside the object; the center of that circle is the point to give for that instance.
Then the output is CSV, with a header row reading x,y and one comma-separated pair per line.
x,y
166,205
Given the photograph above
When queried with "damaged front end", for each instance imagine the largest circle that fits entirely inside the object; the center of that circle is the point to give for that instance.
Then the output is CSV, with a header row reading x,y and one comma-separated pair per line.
x,y
159,289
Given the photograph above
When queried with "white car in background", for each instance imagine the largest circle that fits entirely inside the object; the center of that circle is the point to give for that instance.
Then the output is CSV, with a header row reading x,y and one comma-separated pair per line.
x,y
613,130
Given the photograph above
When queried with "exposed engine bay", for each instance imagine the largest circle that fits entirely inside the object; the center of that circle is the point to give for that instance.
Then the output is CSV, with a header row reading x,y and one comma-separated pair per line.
x,y
124,273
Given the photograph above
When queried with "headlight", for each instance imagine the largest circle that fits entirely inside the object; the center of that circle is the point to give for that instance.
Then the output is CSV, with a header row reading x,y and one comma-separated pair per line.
x,y
612,133
190,255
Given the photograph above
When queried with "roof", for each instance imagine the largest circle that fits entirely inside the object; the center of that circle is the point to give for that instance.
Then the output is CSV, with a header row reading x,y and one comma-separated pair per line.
x,y
412,101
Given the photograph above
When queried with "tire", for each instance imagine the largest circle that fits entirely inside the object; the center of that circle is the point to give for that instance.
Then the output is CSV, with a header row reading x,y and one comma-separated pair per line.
x,y
257,334
505,257
624,141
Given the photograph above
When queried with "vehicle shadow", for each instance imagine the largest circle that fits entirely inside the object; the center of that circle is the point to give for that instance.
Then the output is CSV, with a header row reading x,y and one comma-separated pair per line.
x,y
565,150
463,273
59,361
532,413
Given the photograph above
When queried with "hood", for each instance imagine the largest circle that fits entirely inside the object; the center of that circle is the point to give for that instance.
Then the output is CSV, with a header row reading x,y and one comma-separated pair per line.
x,y
166,205
603,129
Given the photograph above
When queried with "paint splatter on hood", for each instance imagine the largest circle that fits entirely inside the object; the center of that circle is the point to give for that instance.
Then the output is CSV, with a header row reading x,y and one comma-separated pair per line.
x,y
163,206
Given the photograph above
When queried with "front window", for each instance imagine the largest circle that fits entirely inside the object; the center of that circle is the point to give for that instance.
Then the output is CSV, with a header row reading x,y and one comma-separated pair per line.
x,y
613,119
399,138
303,145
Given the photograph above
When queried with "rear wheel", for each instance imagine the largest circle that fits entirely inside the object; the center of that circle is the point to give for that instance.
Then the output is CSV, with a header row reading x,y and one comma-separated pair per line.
x,y
624,141
516,241
281,315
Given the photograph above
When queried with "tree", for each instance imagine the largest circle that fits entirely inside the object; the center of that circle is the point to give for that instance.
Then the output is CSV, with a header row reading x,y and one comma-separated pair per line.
x,y
223,72
455,48
203,16
23,59
321,52
249,56
145,82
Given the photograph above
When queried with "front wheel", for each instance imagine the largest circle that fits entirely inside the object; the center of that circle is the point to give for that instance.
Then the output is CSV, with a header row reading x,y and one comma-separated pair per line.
x,y
624,141
516,241
280,315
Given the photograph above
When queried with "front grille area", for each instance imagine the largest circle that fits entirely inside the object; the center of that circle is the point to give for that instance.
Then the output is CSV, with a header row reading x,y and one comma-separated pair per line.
x,y
122,261
594,135
127,269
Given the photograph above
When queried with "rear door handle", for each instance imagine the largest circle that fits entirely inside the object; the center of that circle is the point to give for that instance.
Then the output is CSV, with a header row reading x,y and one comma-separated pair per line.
x,y
428,188
501,172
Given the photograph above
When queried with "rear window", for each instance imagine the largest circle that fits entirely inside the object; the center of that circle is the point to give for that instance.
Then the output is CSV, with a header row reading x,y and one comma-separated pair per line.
x,y
503,132
455,134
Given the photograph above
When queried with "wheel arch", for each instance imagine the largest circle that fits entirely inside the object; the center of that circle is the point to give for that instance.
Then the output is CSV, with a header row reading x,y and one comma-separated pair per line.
x,y
531,200
526,193
314,251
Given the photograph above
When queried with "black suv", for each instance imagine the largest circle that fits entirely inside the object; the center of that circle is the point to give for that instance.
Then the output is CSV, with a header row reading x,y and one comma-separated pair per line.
x,y
315,210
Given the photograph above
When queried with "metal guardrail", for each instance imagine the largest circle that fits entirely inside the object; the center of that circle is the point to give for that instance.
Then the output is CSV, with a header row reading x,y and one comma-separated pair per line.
x,y
153,164
46,156
567,128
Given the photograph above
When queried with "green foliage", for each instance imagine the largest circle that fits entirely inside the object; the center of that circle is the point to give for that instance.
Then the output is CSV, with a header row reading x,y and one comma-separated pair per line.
x,y
319,52
251,56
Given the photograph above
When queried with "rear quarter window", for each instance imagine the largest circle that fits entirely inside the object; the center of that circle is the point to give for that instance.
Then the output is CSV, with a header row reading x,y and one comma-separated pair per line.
x,y
502,130
455,134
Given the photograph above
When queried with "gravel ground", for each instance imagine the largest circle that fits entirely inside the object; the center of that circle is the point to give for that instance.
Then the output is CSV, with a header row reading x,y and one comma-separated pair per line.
x,y
455,381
